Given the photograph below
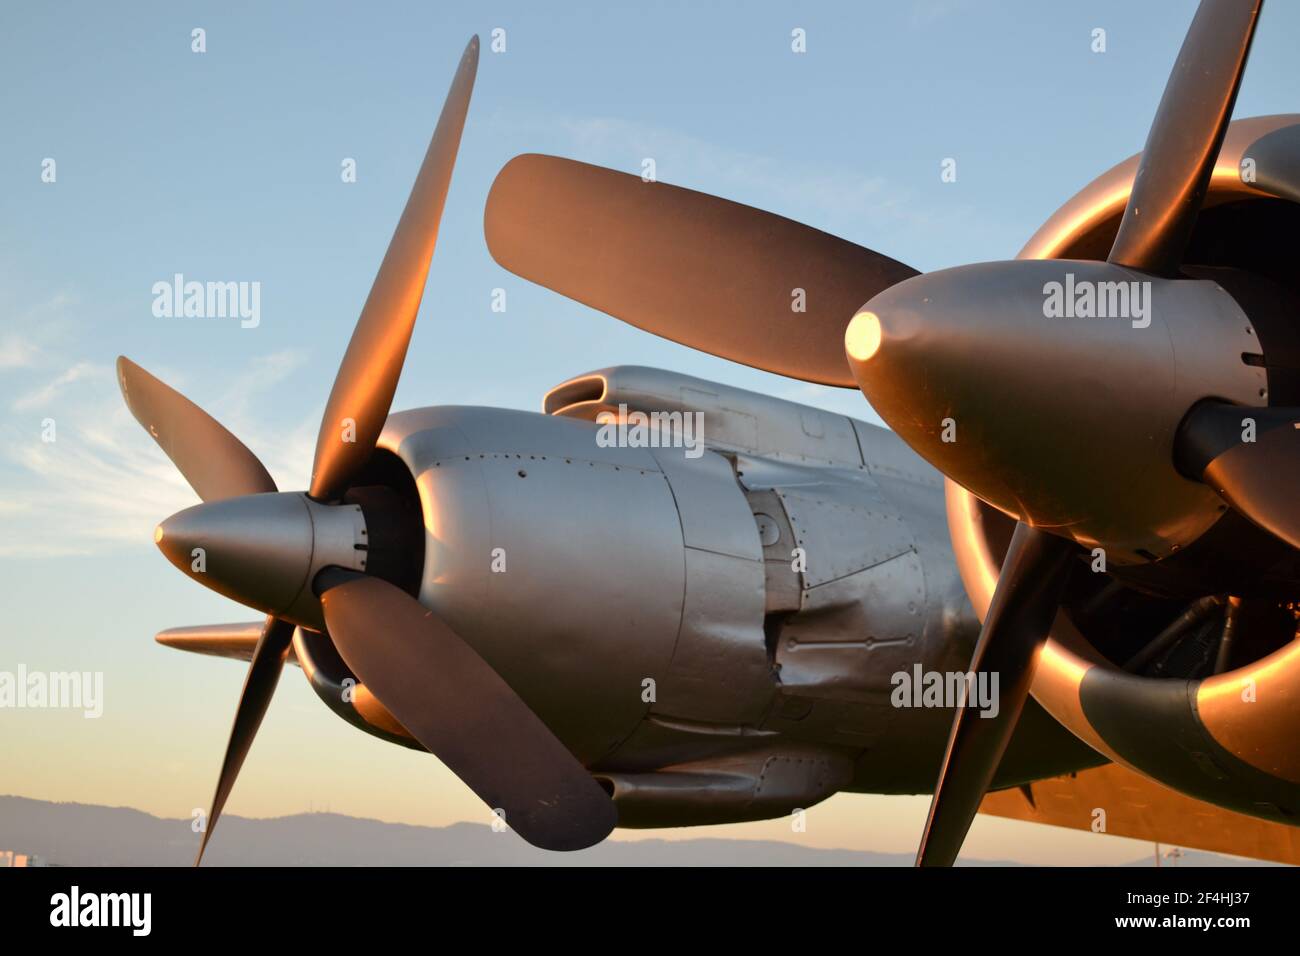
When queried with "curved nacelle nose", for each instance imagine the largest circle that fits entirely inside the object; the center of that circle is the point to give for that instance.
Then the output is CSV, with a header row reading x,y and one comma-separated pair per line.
x,y
264,550
1053,389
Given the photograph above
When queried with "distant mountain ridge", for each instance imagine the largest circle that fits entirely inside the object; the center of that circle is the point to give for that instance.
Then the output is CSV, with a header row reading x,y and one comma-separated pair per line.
x,y
78,834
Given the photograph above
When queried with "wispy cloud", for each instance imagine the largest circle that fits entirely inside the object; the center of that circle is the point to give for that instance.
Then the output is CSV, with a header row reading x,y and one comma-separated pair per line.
x,y
44,324
101,482
835,196
16,352
263,373
47,393
823,189
90,488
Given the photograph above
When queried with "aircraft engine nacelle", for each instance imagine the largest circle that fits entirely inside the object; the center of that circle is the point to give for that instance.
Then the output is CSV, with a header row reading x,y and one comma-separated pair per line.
x,y
731,595
563,563
1186,669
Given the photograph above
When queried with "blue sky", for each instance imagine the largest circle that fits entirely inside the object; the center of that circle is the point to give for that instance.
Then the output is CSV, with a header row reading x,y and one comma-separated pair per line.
x,y
226,166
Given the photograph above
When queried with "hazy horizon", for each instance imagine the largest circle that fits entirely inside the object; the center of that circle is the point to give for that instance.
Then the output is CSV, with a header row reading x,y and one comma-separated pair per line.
x,y
75,834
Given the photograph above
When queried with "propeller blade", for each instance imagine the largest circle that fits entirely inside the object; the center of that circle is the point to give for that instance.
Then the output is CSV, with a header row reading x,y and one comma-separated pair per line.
x,y
1016,627
259,685
1185,137
1256,476
236,641
215,463
459,708
706,272
367,378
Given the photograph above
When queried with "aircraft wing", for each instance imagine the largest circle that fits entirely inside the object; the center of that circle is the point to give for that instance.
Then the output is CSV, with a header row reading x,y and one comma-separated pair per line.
x,y
1142,809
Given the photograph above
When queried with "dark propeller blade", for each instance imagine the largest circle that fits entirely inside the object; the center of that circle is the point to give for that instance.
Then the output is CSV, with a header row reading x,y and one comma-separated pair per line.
x,y
1016,627
1250,457
693,268
363,389
1185,137
259,685
459,708
215,463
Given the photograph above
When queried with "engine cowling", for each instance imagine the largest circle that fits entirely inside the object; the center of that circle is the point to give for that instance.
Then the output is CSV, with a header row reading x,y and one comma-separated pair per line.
x,y
643,598
726,613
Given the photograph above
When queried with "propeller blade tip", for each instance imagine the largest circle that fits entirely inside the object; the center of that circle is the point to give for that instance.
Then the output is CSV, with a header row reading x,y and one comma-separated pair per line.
x,y
203,845
125,367
469,59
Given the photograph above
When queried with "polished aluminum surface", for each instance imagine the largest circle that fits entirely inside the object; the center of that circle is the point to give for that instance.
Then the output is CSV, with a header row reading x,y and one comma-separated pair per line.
x,y
577,621
265,550
735,419
1098,400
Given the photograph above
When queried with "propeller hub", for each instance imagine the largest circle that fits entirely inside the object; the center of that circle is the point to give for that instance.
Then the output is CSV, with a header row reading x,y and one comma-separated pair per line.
x,y
265,550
